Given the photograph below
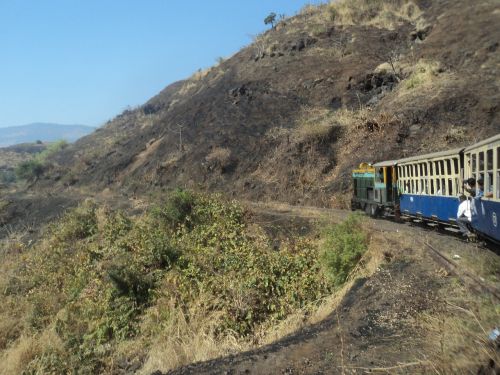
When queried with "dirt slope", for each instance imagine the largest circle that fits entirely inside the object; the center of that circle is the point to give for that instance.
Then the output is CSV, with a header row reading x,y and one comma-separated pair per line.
x,y
287,117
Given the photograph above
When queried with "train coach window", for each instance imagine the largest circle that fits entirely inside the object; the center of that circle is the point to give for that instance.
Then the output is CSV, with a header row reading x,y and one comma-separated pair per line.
x,y
448,166
488,184
498,159
432,187
481,161
443,186
450,187
489,160
473,166
498,185
455,165
430,169
441,168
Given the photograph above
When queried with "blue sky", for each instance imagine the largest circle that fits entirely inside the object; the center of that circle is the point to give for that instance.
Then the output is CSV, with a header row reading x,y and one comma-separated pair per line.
x,y
84,61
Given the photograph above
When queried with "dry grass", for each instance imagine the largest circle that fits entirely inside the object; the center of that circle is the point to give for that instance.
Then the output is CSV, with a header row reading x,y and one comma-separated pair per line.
x,y
219,155
458,335
422,74
377,13
456,135
185,338
314,124
17,358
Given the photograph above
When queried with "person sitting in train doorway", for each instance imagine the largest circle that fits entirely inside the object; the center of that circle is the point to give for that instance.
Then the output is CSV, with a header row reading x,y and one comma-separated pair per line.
x,y
480,190
464,216
470,186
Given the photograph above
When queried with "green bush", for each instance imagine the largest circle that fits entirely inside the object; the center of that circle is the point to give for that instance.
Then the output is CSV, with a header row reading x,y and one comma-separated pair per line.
x,y
51,150
177,208
78,224
7,177
344,245
29,170
99,275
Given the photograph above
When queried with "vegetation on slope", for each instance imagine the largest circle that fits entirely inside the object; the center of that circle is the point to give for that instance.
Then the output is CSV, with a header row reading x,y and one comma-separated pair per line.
x,y
32,169
103,287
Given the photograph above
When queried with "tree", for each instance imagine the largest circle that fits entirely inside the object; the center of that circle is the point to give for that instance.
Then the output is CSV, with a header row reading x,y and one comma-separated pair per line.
x,y
270,19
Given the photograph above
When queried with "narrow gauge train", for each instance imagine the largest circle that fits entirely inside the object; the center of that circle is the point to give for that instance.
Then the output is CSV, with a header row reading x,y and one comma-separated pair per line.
x,y
427,187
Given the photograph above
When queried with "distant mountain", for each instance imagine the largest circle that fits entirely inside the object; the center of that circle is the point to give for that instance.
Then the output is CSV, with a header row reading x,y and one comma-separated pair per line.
x,y
42,131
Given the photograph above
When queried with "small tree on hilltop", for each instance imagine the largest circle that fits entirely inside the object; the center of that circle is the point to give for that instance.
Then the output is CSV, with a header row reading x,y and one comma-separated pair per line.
x,y
270,19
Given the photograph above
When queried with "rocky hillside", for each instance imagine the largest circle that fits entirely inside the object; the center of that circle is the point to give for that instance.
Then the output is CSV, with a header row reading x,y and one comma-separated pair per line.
x,y
287,117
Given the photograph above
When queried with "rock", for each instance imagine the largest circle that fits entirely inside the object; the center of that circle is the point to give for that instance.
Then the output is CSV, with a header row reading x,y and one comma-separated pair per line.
x,y
336,103
414,129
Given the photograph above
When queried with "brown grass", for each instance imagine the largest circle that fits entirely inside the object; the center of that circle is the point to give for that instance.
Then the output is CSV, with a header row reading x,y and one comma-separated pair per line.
x,y
220,155
458,335
377,13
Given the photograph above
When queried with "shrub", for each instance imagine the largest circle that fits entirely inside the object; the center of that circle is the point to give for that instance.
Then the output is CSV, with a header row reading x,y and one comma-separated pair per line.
x,y
78,224
51,150
100,276
343,247
29,170
7,177
32,169
131,282
177,208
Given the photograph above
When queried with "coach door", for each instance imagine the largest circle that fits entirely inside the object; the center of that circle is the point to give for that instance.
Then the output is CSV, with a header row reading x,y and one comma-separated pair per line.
x,y
388,183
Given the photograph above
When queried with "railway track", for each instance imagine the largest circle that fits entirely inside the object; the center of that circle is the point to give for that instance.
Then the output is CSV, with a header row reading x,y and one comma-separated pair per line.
x,y
467,277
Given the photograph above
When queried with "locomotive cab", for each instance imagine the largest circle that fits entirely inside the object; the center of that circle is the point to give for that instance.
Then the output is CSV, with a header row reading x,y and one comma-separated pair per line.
x,y
375,188
386,188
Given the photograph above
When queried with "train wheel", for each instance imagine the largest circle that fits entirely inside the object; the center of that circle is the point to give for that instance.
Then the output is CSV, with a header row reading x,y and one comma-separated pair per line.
x,y
373,210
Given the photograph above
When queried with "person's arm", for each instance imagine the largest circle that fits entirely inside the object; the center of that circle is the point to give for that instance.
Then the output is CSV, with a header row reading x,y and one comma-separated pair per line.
x,y
488,195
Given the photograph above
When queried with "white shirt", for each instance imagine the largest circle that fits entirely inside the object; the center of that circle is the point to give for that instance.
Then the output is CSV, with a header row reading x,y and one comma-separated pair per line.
x,y
464,210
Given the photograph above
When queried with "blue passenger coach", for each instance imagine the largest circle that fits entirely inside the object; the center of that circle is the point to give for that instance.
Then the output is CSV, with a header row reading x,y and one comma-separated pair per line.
x,y
482,161
429,185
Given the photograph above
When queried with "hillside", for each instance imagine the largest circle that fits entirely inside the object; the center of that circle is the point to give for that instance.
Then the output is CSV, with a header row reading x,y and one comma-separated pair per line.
x,y
44,132
148,246
287,117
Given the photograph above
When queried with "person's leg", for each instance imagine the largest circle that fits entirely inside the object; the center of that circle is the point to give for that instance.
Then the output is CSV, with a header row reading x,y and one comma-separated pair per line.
x,y
462,225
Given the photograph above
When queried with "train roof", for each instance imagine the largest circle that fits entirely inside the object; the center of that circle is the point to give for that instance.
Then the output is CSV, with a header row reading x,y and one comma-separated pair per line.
x,y
485,142
387,163
433,155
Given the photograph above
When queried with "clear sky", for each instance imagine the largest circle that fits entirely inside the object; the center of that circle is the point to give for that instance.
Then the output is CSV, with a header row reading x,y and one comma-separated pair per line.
x,y
84,61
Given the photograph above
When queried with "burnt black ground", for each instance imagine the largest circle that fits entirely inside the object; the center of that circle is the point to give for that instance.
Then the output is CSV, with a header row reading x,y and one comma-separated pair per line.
x,y
240,105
